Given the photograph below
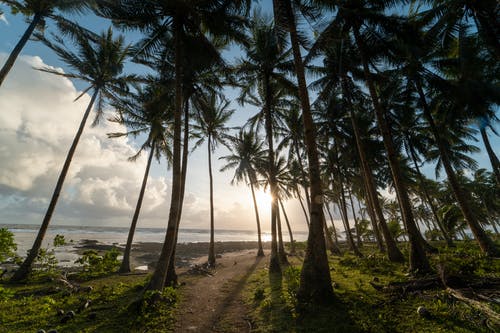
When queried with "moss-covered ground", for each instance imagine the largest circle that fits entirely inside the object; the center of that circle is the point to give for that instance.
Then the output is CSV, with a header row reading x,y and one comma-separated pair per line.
x,y
359,307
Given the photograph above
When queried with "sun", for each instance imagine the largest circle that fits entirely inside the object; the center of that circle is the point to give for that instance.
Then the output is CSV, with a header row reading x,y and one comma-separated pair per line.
x,y
264,198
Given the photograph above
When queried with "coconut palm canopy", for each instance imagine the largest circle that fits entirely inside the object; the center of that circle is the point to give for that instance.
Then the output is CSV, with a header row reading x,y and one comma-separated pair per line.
x,y
381,110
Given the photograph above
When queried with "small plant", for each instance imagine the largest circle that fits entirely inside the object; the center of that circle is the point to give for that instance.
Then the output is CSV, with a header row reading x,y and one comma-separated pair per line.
x,y
59,240
292,279
7,244
96,265
259,294
45,264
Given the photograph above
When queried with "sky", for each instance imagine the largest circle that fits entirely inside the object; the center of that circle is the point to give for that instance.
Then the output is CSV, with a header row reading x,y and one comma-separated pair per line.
x,y
38,120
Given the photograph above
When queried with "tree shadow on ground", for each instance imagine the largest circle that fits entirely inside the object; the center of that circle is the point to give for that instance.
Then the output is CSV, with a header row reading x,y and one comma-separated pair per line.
x,y
233,288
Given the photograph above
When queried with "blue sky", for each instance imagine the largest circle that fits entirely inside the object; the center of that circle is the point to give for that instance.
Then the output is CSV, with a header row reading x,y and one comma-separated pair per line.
x,y
102,187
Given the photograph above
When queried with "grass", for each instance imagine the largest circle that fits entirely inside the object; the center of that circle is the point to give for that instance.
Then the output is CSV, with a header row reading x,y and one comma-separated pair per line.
x,y
361,308
115,306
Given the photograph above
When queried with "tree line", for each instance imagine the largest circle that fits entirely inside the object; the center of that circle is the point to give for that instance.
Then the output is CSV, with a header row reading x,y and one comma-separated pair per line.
x,y
352,96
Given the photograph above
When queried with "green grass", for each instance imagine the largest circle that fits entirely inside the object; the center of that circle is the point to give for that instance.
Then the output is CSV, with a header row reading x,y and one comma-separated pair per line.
x,y
115,302
361,308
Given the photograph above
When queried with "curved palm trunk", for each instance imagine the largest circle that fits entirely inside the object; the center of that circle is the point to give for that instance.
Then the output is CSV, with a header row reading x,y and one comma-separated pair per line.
x,y
485,242
18,48
418,259
211,248
24,270
157,281
274,261
495,164
292,242
373,219
171,278
303,208
428,198
356,226
345,219
330,244
260,251
393,252
315,280
304,177
281,244
333,225
125,266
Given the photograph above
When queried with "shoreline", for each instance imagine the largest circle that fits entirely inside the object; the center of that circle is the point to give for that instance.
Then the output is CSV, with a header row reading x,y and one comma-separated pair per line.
x,y
145,254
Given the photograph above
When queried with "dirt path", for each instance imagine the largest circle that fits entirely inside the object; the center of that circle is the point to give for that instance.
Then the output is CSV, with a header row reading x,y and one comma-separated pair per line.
x,y
214,303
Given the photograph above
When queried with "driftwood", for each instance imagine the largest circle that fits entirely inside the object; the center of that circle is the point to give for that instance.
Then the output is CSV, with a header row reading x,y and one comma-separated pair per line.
x,y
200,270
480,306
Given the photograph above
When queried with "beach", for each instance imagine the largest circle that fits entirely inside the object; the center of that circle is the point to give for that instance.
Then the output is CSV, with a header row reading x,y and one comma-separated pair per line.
x,y
193,243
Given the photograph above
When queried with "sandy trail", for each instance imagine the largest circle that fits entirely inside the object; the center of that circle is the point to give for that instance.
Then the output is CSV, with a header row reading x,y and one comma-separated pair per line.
x,y
214,303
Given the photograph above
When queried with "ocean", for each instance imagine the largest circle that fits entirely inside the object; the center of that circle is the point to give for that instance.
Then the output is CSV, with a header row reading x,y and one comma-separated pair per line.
x,y
25,234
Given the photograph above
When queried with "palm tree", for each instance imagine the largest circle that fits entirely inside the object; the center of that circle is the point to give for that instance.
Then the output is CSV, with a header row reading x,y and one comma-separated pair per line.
x,y
262,71
211,118
143,112
247,155
38,10
185,21
99,62
315,280
450,14
465,74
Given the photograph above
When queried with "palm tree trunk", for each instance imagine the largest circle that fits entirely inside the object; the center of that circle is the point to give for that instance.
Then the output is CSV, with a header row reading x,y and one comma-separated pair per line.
x,y
343,208
303,208
171,278
260,252
274,261
211,249
292,242
304,178
281,245
157,281
18,48
24,270
428,198
356,227
373,219
315,280
495,164
485,243
393,252
418,259
333,224
330,244
125,266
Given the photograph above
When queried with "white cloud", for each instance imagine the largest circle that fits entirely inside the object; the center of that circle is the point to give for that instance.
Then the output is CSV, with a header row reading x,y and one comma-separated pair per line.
x,y
38,120
4,19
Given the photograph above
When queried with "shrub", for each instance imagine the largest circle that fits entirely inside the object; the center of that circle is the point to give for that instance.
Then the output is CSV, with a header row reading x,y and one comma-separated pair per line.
x,y
7,244
95,265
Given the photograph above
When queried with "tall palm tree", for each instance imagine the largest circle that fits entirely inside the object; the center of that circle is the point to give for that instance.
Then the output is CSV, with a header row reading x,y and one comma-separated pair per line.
x,y
452,99
211,118
261,74
144,113
38,11
183,20
99,61
315,280
360,21
247,155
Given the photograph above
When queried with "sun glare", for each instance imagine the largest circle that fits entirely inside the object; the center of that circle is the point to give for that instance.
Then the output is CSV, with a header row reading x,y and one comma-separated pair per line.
x,y
263,198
